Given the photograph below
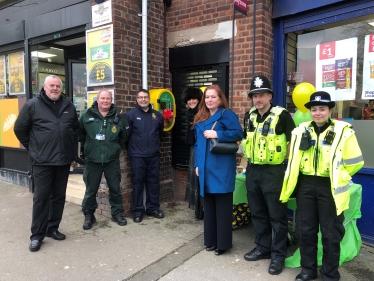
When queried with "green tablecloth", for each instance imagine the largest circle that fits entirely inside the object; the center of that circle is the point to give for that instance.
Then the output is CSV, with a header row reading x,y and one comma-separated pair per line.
x,y
240,192
351,243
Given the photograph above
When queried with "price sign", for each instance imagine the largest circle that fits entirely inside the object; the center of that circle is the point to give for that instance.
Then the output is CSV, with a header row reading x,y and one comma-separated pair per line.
x,y
100,56
327,50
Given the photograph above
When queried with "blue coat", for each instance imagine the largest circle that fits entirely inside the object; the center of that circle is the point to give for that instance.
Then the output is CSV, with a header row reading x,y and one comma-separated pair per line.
x,y
217,171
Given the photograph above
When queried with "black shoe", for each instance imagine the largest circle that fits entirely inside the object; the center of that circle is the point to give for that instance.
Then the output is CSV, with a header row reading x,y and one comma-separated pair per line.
x,y
89,220
218,252
210,248
57,235
35,245
275,267
138,217
256,255
305,277
120,220
156,214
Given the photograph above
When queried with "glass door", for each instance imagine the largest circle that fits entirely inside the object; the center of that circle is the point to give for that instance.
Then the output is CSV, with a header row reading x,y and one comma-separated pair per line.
x,y
78,92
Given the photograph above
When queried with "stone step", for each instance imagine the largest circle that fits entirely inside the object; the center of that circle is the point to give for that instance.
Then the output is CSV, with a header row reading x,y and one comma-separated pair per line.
x,y
75,189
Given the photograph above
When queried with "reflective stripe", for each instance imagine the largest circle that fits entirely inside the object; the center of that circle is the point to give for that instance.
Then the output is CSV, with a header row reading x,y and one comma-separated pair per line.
x,y
341,189
354,160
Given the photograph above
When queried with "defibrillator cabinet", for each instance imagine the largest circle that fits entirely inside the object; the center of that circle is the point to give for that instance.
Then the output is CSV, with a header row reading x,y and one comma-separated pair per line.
x,y
163,101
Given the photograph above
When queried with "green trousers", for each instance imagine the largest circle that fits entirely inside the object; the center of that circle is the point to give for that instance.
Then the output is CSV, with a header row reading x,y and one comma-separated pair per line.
x,y
92,178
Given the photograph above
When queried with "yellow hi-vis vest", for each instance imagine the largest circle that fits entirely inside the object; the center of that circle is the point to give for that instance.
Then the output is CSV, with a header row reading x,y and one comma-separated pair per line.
x,y
259,149
345,159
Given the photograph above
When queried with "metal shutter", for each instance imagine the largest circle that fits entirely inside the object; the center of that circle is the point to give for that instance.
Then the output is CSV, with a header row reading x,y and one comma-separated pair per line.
x,y
182,78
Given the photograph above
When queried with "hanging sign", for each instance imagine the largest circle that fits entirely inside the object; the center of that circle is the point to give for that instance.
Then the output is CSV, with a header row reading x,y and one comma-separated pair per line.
x,y
2,76
102,13
241,6
16,73
99,44
336,68
368,69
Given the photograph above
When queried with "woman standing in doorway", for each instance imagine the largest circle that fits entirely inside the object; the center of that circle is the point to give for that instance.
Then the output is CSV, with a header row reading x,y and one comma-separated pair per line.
x,y
192,97
216,171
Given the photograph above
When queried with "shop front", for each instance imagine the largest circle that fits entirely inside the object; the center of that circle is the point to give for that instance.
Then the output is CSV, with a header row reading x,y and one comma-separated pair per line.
x,y
34,45
330,44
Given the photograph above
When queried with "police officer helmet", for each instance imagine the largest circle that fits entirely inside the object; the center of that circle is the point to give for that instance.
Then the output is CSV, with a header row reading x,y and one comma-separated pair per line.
x,y
260,84
320,98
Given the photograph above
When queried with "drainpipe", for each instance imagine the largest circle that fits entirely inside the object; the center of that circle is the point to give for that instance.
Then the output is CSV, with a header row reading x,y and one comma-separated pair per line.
x,y
144,45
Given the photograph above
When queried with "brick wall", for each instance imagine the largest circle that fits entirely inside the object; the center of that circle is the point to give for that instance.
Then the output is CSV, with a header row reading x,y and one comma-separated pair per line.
x,y
128,81
183,15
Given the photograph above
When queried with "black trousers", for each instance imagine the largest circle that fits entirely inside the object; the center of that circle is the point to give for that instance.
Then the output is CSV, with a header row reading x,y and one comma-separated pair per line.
x,y
145,171
193,197
49,199
268,214
218,220
316,209
92,177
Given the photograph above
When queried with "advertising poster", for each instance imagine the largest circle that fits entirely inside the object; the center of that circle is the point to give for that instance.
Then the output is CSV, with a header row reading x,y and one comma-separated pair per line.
x,y
2,76
16,73
368,69
100,62
92,96
102,13
9,110
336,68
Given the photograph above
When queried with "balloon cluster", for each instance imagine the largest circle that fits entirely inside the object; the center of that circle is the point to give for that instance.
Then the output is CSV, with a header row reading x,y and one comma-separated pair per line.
x,y
300,96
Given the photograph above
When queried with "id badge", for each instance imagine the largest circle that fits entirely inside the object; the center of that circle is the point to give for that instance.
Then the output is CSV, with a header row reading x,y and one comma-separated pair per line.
x,y
100,137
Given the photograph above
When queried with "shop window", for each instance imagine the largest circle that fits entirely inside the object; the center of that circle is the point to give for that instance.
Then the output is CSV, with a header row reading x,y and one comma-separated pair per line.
x,y
46,61
12,74
338,59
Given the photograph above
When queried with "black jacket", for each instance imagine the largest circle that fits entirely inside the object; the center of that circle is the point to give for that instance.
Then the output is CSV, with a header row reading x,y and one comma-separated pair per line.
x,y
50,138
115,131
146,130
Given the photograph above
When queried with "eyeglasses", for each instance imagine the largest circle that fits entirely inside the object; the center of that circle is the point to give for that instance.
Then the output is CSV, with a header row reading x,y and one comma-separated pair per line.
x,y
143,97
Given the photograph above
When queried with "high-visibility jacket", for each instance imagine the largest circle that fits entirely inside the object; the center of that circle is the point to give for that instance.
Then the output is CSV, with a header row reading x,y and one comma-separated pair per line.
x,y
344,160
264,149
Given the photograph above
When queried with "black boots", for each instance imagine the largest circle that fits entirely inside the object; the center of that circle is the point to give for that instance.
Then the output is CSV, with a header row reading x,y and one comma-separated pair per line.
x,y
89,220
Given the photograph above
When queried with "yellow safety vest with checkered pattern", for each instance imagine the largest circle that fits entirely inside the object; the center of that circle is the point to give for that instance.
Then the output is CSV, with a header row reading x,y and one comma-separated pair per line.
x,y
343,159
259,147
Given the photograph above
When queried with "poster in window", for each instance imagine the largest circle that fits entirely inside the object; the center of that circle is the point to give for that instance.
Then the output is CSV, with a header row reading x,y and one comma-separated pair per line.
x,y
99,44
336,68
368,69
16,73
2,76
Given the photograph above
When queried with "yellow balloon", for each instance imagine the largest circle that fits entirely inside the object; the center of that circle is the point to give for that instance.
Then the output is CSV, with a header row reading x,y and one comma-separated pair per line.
x,y
301,95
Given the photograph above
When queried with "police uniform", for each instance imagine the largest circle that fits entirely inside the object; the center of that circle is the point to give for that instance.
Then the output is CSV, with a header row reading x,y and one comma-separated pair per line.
x,y
265,146
322,161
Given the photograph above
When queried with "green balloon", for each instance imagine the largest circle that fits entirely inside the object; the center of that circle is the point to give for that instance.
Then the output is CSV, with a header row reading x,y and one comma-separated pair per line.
x,y
300,117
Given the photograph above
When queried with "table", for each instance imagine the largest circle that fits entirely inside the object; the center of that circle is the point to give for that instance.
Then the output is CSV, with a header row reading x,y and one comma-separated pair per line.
x,y
351,243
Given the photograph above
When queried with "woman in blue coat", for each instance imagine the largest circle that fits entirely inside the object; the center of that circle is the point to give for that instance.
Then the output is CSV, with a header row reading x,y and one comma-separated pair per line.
x,y
216,171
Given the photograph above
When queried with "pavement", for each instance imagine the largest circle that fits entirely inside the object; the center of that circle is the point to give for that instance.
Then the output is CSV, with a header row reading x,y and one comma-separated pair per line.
x,y
156,249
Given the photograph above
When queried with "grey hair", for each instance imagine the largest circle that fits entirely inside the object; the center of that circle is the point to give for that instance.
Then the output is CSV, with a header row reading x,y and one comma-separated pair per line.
x,y
104,90
52,77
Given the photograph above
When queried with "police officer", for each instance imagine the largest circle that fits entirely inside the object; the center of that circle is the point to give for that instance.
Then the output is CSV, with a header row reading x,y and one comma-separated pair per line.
x,y
324,155
267,131
146,129
103,132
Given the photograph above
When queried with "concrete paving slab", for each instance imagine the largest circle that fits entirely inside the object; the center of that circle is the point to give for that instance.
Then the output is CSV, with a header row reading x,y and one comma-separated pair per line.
x,y
156,249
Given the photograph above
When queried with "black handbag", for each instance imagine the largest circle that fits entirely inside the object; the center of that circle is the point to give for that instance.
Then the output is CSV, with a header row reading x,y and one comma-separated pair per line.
x,y
222,147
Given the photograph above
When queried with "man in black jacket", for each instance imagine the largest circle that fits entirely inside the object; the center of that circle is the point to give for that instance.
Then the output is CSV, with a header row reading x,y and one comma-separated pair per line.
x,y
146,128
47,127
